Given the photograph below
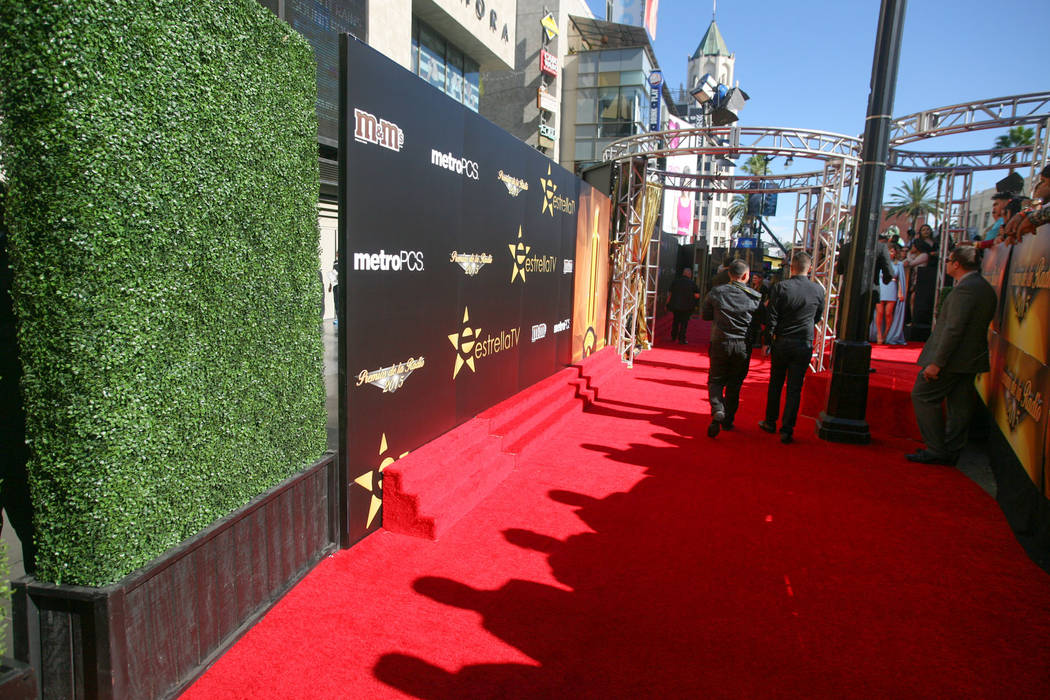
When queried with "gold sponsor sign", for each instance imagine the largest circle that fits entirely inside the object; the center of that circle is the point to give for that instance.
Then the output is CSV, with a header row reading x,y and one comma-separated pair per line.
x,y
391,378
470,262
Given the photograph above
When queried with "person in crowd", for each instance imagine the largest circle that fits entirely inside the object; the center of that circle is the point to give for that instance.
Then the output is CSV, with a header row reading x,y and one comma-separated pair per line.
x,y
890,294
721,276
681,300
883,268
731,307
760,284
923,249
999,202
943,395
1034,216
895,332
333,287
1004,207
795,306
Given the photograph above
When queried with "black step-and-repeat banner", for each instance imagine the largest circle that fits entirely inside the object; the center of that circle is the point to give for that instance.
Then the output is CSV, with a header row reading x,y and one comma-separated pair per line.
x,y
458,248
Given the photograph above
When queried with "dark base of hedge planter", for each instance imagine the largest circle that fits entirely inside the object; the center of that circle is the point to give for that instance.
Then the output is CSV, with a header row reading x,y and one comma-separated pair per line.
x,y
153,633
17,681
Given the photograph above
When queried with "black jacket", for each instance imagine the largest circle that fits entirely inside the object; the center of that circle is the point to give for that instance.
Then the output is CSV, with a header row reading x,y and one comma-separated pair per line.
x,y
682,294
883,264
795,305
732,307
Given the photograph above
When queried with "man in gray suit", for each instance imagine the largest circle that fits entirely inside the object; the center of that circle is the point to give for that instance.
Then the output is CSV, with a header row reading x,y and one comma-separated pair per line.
x,y
955,352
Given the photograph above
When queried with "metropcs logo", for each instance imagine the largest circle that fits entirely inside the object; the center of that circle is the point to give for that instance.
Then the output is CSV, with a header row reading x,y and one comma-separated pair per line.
x,y
552,200
471,345
523,262
463,166
369,129
411,260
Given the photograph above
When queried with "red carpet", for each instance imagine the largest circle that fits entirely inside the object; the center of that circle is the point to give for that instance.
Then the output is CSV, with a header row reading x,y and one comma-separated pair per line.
x,y
628,555
889,411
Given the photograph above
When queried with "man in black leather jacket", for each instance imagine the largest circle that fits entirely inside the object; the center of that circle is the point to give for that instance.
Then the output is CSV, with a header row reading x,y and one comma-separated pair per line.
x,y
731,307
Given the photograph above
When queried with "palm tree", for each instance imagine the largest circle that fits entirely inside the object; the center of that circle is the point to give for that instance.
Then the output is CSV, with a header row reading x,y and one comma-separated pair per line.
x,y
1017,136
737,213
757,165
912,198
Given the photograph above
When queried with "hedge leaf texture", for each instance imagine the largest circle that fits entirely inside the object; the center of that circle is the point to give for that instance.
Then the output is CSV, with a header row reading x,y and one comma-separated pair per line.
x,y
162,162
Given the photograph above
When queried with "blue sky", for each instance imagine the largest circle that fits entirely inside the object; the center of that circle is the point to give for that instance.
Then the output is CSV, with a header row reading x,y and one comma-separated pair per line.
x,y
807,63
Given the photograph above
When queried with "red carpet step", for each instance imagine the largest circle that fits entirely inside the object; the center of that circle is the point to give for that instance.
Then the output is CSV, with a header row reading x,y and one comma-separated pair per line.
x,y
890,412
430,489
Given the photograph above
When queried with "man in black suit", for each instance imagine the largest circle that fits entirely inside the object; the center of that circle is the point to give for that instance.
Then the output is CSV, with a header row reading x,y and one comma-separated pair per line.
x,y
956,351
681,300
795,305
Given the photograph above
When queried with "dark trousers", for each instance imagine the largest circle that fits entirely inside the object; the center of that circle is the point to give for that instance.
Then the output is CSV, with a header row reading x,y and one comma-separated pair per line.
x,y
680,323
729,360
789,360
944,431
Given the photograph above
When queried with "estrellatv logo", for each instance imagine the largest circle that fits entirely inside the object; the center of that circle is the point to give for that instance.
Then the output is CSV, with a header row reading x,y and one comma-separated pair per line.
x,y
518,253
373,481
463,342
549,188
552,200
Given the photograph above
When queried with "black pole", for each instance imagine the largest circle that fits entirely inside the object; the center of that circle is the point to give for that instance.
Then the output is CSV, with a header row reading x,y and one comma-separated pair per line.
x,y
843,420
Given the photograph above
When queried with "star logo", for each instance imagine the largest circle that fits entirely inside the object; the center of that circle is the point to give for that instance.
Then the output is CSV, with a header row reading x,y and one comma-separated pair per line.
x,y
463,342
518,253
549,188
373,481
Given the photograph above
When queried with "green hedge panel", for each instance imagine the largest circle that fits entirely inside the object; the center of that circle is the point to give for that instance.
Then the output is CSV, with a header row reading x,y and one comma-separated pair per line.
x,y
162,161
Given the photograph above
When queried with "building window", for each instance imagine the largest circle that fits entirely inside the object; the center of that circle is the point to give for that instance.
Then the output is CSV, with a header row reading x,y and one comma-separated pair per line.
x,y
443,65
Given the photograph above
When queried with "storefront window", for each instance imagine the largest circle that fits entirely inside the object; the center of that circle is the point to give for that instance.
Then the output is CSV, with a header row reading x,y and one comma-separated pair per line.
x,y
444,66
471,83
454,88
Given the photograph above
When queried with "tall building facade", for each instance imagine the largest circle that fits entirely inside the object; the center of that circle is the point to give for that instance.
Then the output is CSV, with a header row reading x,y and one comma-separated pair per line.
x,y
527,99
605,91
448,43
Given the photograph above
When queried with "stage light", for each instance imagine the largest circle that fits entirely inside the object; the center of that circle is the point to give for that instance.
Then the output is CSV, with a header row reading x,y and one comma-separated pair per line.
x,y
789,161
705,88
726,112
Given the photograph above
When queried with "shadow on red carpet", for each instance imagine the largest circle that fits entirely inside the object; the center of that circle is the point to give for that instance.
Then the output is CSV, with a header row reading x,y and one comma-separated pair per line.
x,y
632,556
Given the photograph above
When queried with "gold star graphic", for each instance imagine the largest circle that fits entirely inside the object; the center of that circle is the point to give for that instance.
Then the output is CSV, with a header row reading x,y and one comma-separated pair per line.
x,y
517,254
549,188
463,342
373,481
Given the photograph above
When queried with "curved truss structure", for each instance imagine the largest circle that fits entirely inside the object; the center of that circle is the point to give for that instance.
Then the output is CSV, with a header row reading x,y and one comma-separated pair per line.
x,y
824,197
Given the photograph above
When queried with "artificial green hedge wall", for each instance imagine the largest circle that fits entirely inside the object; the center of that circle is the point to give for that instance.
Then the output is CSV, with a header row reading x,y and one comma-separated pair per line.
x,y
162,161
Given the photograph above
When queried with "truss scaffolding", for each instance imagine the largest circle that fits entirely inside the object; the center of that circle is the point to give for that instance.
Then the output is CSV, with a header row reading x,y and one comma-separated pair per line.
x,y
824,197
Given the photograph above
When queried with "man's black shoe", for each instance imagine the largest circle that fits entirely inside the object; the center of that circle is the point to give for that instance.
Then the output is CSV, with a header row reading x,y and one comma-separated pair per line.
x,y
786,438
712,430
768,427
727,426
683,341
927,457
